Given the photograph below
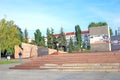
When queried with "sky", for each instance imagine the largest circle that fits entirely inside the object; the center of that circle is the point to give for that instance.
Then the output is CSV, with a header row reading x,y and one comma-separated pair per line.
x,y
43,14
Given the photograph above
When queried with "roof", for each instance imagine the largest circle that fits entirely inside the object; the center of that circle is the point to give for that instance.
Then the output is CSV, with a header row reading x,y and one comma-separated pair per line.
x,y
72,33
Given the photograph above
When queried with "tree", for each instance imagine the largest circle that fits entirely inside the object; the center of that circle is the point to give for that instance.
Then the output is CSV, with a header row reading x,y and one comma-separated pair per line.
x,y
78,35
42,42
71,45
111,33
25,36
9,36
39,39
51,40
48,38
93,24
20,33
62,40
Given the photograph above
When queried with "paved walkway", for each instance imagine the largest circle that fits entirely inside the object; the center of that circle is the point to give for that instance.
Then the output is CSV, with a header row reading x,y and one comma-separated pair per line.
x,y
10,74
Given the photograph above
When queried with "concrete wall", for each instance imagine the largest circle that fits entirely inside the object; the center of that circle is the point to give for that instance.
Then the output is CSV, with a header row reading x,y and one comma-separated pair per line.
x,y
27,52
30,50
100,38
100,47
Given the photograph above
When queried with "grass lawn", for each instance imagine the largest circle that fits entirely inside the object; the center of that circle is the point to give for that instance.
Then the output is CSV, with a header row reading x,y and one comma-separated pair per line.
x,y
10,61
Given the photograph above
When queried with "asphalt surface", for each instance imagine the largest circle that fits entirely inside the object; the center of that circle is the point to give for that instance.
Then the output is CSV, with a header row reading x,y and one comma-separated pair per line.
x,y
11,74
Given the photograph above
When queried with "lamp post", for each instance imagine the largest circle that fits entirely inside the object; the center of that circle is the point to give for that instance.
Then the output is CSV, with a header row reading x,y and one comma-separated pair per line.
x,y
57,46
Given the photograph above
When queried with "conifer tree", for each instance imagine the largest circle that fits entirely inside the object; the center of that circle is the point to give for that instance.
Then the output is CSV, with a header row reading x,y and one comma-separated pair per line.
x,y
78,35
71,45
62,40
39,39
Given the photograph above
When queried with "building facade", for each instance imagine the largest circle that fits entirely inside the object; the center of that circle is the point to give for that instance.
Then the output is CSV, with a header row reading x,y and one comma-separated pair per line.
x,y
84,36
100,38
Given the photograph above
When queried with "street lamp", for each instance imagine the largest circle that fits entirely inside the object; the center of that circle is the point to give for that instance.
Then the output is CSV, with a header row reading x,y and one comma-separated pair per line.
x,y
57,46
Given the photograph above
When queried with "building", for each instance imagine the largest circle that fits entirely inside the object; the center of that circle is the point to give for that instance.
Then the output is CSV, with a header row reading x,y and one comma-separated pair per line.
x,y
85,37
100,38
31,39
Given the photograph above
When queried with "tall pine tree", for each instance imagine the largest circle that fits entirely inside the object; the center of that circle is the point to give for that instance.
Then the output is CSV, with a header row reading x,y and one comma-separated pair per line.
x,y
25,36
62,40
39,39
71,45
50,38
78,35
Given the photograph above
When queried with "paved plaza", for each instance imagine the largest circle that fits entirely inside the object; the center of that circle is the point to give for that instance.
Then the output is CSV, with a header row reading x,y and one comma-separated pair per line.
x,y
11,74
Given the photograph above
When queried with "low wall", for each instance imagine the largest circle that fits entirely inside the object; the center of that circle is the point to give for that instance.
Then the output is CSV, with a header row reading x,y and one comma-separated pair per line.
x,y
30,50
27,52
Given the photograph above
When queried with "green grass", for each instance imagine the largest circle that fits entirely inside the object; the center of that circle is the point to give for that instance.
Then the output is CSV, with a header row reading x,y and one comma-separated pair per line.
x,y
9,61
86,51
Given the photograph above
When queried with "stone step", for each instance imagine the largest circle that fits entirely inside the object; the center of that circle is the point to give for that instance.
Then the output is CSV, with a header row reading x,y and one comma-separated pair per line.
x,y
74,62
82,67
84,70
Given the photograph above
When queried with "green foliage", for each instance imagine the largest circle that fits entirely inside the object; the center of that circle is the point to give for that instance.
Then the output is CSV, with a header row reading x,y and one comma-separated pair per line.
x,y
62,39
51,40
111,33
9,36
25,36
13,38
78,35
71,45
10,61
93,24
20,33
39,39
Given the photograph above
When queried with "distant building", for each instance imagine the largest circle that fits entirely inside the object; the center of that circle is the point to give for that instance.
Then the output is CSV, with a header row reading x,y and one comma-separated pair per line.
x,y
85,37
31,39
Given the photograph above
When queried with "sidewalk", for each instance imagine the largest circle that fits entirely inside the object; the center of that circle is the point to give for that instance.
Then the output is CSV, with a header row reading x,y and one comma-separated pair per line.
x,y
11,74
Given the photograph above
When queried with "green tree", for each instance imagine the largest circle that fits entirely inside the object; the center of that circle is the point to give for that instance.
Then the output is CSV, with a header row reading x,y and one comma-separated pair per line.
x,y
62,39
78,35
42,42
25,36
71,45
111,33
9,36
39,39
48,38
20,33
93,24
51,40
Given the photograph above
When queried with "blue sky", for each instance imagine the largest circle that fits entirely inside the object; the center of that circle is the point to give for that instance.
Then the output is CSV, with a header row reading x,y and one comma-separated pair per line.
x,y
43,14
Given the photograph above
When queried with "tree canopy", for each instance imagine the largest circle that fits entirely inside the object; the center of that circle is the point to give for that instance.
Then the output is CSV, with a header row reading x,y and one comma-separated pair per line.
x,y
9,36
62,39
25,36
39,39
51,40
71,45
93,24
78,35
